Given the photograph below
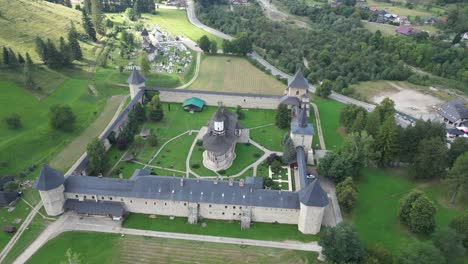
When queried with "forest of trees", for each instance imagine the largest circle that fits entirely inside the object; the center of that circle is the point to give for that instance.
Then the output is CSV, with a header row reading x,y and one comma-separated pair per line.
x,y
336,45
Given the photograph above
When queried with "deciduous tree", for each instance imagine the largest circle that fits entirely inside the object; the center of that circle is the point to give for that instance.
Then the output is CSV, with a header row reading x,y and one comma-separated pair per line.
x,y
430,159
324,90
450,244
346,194
98,161
204,43
283,116
460,225
420,253
457,178
341,244
61,117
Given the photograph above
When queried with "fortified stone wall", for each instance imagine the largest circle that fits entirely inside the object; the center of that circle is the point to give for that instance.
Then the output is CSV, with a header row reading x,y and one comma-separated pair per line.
x,y
213,98
209,211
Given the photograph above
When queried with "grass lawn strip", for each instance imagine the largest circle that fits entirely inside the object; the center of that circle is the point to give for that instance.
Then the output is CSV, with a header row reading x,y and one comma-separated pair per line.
x,y
113,248
330,121
261,231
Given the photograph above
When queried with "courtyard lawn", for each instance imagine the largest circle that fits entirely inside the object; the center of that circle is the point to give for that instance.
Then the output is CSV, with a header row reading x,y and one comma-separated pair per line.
x,y
376,213
196,160
234,74
113,248
261,231
177,23
126,169
329,111
257,117
173,155
269,137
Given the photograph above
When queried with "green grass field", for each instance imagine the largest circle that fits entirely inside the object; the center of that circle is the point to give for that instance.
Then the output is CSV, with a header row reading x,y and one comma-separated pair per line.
x,y
233,74
399,10
375,215
173,155
330,120
113,248
270,137
385,29
22,20
261,231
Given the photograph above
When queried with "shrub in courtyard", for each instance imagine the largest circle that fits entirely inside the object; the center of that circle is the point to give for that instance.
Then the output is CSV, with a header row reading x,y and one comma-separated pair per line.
x,y
346,194
199,143
222,172
275,166
195,166
257,155
13,121
61,117
460,224
156,112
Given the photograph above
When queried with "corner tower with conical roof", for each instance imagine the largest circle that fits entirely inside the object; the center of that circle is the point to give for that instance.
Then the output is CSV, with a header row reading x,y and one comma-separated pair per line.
x,y
51,189
136,82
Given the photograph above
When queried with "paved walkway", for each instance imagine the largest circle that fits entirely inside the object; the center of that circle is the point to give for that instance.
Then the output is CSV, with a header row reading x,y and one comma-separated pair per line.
x,y
195,76
71,222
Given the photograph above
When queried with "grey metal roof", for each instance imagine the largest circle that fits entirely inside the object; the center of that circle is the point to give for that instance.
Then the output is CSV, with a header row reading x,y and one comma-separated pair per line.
x,y
7,197
297,129
302,119
221,143
144,32
298,81
95,207
192,190
48,179
454,110
135,77
290,100
256,182
313,195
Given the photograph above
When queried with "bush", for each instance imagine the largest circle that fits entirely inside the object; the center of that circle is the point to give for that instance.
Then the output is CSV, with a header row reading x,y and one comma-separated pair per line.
x,y
341,244
417,212
257,155
460,224
13,121
11,186
222,172
195,166
61,117
275,166
153,140
346,194
199,143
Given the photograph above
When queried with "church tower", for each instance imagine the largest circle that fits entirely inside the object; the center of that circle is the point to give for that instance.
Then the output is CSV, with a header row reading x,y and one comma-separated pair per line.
x,y
136,82
51,189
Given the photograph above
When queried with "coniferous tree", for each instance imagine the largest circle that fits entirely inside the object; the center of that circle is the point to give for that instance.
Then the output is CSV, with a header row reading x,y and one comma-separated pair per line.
x,y
54,57
98,161
283,117
28,59
156,113
145,63
289,151
386,141
12,57
6,56
68,3
96,15
20,58
66,52
73,42
41,49
88,26
87,6
457,178
28,68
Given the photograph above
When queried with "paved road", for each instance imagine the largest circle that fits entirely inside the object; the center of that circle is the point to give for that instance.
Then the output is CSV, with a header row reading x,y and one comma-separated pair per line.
x,y
71,222
194,20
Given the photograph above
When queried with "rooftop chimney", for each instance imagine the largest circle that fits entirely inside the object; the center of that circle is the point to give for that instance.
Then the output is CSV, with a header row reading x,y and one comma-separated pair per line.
x,y
216,180
181,182
231,181
241,183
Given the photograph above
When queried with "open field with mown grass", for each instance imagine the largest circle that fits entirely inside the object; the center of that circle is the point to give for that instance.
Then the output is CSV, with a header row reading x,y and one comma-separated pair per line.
x,y
260,231
234,74
398,10
376,213
113,248
329,111
385,29
21,21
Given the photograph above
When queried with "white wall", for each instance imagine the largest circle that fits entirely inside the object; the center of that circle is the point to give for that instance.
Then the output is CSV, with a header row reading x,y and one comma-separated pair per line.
x,y
310,219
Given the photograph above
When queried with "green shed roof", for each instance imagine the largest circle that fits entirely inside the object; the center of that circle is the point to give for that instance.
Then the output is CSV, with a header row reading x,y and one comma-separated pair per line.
x,y
194,101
